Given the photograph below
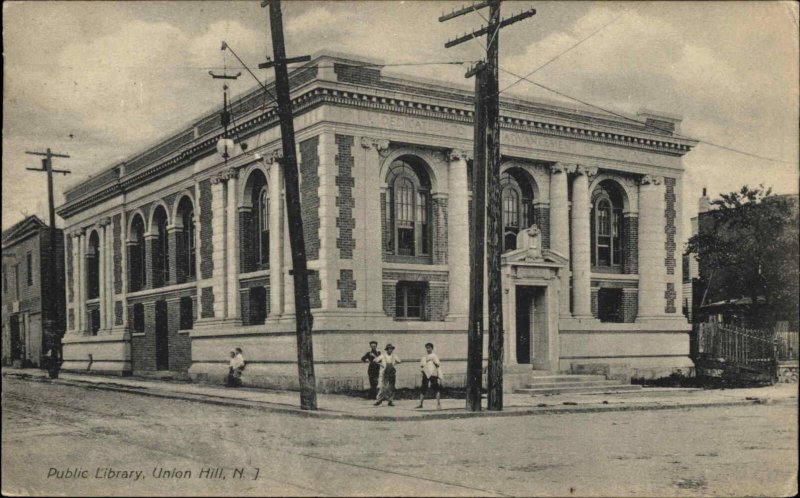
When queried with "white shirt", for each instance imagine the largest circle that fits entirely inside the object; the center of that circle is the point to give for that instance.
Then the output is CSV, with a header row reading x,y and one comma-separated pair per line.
x,y
430,365
237,361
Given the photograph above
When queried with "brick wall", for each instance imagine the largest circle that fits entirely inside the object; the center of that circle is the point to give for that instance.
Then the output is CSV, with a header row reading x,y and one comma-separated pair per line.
x,y
207,302
439,230
670,296
385,227
356,74
309,196
630,305
347,287
542,216
630,245
247,256
345,201
118,313
180,348
669,225
117,247
70,276
206,247
314,287
143,347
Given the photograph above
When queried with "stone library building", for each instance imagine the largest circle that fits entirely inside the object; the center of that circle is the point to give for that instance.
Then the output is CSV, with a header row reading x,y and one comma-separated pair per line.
x,y
178,254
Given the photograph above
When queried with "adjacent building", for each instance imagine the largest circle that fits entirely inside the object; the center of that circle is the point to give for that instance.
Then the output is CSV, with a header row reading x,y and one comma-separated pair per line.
x,y
33,301
177,254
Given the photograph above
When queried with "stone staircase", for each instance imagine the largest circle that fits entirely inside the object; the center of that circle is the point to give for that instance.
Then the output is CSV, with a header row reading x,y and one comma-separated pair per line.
x,y
549,384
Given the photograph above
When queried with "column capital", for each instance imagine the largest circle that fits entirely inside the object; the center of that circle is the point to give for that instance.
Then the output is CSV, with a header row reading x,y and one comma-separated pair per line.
x,y
230,173
562,168
275,156
589,171
651,180
104,222
459,154
217,179
379,144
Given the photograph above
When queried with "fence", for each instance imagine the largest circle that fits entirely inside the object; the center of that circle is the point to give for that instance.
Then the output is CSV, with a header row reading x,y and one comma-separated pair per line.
x,y
786,342
752,349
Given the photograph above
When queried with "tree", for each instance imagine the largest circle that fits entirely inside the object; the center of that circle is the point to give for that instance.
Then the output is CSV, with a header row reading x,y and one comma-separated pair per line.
x,y
748,247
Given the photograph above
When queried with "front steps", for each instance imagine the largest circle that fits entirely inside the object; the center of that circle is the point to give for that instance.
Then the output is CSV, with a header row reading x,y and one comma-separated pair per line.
x,y
550,384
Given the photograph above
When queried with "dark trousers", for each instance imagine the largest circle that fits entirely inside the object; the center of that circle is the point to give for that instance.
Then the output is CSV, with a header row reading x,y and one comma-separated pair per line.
x,y
373,382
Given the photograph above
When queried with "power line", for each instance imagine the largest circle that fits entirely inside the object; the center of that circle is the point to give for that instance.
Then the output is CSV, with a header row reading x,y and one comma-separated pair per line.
x,y
601,28
725,147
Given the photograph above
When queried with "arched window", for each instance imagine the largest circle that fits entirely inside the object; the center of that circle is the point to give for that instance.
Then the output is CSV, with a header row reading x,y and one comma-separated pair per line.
x,y
516,199
93,267
187,252
409,210
606,228
136,255
160,248
262,225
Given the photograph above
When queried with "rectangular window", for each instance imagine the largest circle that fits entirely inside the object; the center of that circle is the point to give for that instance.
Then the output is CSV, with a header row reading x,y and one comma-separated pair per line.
x,y
410,300
94,320
29,266
187,313
138,317
5,278
16,281
258,305
609,305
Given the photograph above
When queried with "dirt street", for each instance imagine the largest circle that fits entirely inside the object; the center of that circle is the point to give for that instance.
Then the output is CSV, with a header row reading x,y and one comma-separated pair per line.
x,y
76,441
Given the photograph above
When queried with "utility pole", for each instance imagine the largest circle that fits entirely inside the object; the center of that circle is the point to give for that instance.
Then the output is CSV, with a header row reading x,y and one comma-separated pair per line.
x,y
305,351
491,139
52,294
475,329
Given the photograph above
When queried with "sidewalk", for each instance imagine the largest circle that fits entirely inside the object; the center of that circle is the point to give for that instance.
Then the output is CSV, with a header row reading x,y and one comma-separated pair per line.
x,y
339,406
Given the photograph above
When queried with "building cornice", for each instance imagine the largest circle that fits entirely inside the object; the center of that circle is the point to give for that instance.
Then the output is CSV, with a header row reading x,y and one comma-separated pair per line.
x,y
338,94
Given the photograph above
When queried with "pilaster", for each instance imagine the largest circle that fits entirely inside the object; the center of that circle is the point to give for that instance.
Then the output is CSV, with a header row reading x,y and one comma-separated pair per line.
x,y
102,248
559,227
581,243
276,229
218,219
652,274
458,235
368,256
232,251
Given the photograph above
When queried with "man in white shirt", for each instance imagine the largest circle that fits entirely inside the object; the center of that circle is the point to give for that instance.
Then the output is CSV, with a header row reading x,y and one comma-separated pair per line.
x,y
431,375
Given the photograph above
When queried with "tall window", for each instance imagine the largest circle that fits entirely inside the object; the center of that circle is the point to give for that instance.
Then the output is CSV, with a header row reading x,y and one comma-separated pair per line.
x,y
136,255
187,313
138,317
609,305
516,200
410,300
262,225
607,225
187,252
5,278
93,267
160,248
409,210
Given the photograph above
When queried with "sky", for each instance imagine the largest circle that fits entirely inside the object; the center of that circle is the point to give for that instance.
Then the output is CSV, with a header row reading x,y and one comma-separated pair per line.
x,y
100,81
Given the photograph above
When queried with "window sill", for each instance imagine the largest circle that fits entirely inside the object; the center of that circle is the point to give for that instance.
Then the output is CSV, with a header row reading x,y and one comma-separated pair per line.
x,y
138,334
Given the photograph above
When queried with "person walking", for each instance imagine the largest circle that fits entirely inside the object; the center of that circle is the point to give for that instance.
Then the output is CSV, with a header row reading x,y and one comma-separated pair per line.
x,y
235,368
388,362
373,369
431,375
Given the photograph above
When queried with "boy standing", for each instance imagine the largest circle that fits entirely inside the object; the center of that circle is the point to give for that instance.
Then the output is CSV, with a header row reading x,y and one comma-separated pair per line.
x,y
431,375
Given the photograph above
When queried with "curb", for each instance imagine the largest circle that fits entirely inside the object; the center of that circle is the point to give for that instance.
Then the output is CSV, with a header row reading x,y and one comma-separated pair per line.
x,y
437,415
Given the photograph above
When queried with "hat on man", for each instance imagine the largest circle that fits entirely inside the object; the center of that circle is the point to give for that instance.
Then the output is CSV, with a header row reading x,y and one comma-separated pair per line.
x,y
388,347
373,342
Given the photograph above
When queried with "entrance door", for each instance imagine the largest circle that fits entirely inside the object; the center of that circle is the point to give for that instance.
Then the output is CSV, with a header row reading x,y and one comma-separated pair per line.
x,y
524,321
162,337
16,339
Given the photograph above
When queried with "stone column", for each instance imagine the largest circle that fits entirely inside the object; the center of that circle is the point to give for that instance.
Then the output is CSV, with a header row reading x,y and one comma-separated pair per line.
x,y
275,236
123,235
368,259
218,256
232,239
651,248
559,226
458,234
109,281
581,243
